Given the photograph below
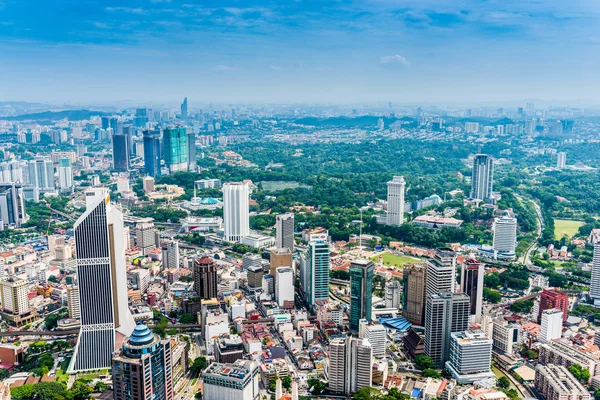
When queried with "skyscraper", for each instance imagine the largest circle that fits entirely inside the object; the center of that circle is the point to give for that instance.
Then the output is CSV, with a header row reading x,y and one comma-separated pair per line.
x,y
152,153
470,357
441,272
205,277
120,148
284,286
284,231
482,178
595,279
471,283
395,201
102,280
316,281
65,175
561,160
191,143
170,254
12,205
361,293
414,293
175,151
279,258
393,291
551,325
445,313
505,237
15,301
40,173
236,208
349,365
552,298
184,111
142,369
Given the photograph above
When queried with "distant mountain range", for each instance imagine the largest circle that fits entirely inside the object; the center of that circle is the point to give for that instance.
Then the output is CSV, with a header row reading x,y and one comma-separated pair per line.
x,y
72,115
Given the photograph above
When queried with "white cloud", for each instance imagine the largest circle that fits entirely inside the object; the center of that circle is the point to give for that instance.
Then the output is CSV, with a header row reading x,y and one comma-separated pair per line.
x,y
396,58
276,68
222,67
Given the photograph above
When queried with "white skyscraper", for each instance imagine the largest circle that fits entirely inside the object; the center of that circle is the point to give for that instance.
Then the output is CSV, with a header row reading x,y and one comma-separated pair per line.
x,y
441,272
236,210
393,292
102,280
552,321
505,236
395,201
470,356
561,160
349,365
284,285
482,178
595,280
284,231
65,175
376,334
40,173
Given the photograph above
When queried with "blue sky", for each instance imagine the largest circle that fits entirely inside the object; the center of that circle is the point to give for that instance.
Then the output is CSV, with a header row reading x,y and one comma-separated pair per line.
x,y
299,50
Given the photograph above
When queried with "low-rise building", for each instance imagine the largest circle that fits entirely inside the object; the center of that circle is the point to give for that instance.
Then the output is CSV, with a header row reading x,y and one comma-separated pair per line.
x,y
555,382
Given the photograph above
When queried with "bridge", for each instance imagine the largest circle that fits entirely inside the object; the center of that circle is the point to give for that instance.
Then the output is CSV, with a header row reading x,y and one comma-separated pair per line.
x,y
66,332
529,297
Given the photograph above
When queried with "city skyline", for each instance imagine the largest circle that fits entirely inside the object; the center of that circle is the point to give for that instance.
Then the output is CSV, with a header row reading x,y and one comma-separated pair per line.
x,y
298,52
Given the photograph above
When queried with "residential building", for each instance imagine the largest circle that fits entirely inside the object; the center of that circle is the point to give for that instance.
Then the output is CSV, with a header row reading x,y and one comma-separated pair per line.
x,y
414,293
65,175
73,302
361,293
445,313
553,298
12,205
100,271
505,237
145,237
555,382
152,153
471,283
237,381
395,201
284,231
205,277
552,320
236,210
40,173
15,301
284,287
376,334
470,357
349,365
175,149
142,369
393,293
315,281
483,177
441,272
563,353
141,279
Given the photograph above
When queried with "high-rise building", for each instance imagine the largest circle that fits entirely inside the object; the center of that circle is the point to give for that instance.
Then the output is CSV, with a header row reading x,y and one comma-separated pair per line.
x,y
505,336
375,333
595,279
552,321
191,143
255,275
236,209
250,259
445,313
175,149
441,272
143,369
284,231
482,178
470,357
393,293
40,173
205,277
141,117
73,302
237,381
184,111
144,237
395,201
349,365
414,293
141,279
561,160
281,257
316,279
65,175
361,293
102,280
152,153
555,382
120,149
14,296
170,254
471,283
284,287
11,172
12,205
505,236
552,298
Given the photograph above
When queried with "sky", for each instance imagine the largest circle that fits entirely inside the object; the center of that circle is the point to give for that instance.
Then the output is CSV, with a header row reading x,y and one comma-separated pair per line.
x,y
322,51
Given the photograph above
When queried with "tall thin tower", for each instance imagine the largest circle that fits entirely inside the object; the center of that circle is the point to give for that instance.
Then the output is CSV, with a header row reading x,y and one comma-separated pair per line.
x,y
395,201
483,177
102,279
236,209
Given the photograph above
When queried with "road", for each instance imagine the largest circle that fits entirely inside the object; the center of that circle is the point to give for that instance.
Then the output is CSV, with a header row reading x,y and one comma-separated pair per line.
x,y
526,257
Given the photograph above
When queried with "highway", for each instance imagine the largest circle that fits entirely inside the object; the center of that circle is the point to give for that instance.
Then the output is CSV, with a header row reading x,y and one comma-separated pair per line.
x,y
526,257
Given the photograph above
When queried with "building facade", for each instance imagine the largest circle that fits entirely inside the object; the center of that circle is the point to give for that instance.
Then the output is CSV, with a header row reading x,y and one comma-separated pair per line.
x,y
395,201
555,382
350,365
414,290
505,237
552,321
236,209
441,272
316,282
471,283
470,357
237,381
175,149
152,153
284,231
483,177
361,293
205,277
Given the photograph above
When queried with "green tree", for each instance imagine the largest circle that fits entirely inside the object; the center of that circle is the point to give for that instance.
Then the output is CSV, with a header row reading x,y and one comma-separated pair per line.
x,y
431,373
316,386
187,319
81,391
367,393
198,365
503,382
492,296
523,307
286,382
25,392
580,373
424,362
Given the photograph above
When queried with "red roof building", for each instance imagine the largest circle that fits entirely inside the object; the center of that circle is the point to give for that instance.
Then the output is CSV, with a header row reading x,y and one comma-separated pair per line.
x,y
552,298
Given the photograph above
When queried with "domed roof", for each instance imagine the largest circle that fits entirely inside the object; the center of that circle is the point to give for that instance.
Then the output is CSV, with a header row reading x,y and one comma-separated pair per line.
x,y
141,336
208,200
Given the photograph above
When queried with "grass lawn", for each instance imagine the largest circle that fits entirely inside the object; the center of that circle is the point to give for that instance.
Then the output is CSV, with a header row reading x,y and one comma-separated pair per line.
x,y
392,259
566,227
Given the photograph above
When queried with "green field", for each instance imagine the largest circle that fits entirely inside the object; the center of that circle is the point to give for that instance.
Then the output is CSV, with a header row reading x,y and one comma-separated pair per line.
x,y
566,227
392,259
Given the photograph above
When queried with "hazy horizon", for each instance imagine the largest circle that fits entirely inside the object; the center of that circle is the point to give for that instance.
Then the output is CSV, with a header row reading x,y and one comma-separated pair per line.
x,y
436,52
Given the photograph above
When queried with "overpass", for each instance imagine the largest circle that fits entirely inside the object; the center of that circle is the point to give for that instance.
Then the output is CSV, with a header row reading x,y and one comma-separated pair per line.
x,y
529,297
66,332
